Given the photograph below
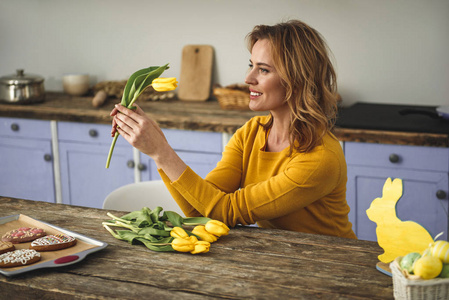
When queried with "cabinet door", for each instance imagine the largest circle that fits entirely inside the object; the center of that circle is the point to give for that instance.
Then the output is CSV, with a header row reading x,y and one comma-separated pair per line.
x,y
418,203
84,179
26,169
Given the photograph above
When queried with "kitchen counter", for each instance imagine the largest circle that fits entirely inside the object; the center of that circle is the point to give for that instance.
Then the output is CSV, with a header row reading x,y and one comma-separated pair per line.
x,y
208,116
249,263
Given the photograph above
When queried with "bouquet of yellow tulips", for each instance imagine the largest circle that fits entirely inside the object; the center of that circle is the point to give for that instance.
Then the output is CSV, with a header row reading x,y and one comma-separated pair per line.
x,y
165,232
135,86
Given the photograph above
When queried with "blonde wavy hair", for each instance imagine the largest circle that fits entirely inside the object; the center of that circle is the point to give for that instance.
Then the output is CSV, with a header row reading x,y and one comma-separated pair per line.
x,y
302,58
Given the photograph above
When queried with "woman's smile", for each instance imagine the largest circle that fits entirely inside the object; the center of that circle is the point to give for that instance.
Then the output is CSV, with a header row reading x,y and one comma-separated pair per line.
x,y
254,94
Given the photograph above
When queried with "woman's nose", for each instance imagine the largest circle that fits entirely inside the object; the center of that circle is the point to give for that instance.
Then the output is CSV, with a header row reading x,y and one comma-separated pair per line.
x,y
250,79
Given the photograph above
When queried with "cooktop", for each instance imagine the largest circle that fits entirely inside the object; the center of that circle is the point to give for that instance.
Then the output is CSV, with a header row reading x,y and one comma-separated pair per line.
x,y
392,117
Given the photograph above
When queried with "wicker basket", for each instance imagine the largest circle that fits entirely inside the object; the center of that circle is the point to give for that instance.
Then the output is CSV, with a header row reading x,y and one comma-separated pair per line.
x,y
234,96
408,287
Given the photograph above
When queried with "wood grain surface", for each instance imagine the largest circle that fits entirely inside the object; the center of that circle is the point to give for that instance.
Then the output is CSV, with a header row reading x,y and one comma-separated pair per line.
x,y
193,115
249,263
196,72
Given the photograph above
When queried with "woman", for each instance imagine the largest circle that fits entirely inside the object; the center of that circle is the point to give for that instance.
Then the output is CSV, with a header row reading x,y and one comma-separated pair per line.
x,y
285,170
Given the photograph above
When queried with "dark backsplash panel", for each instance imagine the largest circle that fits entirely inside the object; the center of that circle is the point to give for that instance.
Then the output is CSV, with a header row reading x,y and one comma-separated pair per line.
x,y
392,118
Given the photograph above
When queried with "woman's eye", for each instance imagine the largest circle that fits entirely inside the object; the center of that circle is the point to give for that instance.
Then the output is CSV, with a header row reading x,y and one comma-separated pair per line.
x,y
250,66
263,70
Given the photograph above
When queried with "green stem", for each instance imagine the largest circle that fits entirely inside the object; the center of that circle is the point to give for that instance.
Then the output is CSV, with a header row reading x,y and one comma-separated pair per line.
x,y
117,218
111,149
112,232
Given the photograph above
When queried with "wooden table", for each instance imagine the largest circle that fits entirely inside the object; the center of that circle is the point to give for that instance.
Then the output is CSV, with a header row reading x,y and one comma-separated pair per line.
x,y
249,263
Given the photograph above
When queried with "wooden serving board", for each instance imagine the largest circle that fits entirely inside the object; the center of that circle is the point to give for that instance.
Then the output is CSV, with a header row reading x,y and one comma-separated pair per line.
x,y
196,73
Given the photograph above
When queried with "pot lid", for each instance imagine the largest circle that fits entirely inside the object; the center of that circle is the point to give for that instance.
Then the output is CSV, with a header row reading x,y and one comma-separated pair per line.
x,y
21,78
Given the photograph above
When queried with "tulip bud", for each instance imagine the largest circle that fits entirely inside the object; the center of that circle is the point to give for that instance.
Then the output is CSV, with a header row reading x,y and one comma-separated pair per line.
x,y
201,247
200,231
183,245
217,228
164,84
178,232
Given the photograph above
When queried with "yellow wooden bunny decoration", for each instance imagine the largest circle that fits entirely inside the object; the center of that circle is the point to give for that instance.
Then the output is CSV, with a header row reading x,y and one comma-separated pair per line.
x,y
396,237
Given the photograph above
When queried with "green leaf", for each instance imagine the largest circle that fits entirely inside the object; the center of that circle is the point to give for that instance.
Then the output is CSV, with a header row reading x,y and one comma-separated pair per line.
x,y
173,217
141,217
131,82
154,214
141,81
163,247
153,231
195,220
135,85
127,235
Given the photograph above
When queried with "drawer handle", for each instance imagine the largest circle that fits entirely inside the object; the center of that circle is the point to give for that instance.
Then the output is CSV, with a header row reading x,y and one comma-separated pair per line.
x,y
130,164
93,133
394,158
441,194
47,157
141,167
15,127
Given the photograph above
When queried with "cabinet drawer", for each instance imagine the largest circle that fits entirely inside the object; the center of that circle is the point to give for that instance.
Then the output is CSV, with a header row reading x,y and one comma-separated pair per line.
x,y
397,156
87,133
24,128
195,141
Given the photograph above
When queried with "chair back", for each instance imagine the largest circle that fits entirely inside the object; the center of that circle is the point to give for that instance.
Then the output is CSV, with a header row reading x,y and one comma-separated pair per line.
x,y
135,196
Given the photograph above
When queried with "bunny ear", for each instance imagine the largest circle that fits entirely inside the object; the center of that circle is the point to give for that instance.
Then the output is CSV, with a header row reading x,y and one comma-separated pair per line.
x,y
392,190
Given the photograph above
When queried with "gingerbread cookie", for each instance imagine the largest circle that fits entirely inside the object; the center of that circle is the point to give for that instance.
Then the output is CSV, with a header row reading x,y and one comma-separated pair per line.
x,y
23,234
53,242
6,247
19,258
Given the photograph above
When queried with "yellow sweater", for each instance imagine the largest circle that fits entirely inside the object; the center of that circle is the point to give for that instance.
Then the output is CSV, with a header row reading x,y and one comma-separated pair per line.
x,y
304,192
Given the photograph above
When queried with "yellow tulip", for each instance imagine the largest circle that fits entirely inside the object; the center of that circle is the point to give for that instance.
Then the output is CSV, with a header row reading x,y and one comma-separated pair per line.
x,y
200,231
217,228
183,245
201,247
178,232
164,84
193,239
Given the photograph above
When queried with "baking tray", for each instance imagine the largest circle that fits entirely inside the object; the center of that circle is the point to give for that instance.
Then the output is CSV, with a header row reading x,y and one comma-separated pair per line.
x,y
51,259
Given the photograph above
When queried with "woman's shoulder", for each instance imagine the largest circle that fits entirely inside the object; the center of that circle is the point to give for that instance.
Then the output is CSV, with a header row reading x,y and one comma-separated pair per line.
x,y
254,124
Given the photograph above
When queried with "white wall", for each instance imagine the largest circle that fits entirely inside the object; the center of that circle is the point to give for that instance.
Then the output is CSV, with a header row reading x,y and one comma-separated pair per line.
x,y
386,51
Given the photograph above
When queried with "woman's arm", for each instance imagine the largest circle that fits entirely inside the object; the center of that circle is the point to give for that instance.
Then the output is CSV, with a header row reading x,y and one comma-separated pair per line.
x,y
145,135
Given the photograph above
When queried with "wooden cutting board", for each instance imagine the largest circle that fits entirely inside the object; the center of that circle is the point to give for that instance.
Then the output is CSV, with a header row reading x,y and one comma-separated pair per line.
x,y
196,73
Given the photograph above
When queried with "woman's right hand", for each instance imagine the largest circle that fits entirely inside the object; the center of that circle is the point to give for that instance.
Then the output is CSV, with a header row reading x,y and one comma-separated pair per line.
x,y
138,129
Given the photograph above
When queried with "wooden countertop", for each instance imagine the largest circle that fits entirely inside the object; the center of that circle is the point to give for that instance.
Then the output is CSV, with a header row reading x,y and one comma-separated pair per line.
x,y
249,263
189,115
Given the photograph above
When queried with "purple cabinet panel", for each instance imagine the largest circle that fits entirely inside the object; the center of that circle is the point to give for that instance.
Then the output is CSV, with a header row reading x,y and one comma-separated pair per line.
x,y
419,202
83,150
26,160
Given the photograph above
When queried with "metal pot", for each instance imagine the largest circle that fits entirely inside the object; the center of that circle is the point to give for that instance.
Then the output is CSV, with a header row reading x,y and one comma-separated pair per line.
x,y
21,88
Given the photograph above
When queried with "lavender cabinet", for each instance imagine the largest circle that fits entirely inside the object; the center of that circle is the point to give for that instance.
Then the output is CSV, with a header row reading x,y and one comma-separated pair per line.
x,y
424,172
200,151
26,159
83,149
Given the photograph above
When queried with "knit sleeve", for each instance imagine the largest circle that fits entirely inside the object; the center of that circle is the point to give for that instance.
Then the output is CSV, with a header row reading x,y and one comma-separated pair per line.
x,y
306,180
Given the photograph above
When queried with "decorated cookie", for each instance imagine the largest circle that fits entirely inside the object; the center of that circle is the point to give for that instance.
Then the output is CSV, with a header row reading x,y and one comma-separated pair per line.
x,y
53,242
6,247
19,258
23,234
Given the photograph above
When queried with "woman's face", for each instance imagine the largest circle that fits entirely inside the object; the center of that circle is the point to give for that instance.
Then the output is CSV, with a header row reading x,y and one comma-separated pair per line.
x,y
267,92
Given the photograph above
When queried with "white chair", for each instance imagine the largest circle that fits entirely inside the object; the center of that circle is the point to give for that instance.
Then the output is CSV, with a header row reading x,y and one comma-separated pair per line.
x,y
135,196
